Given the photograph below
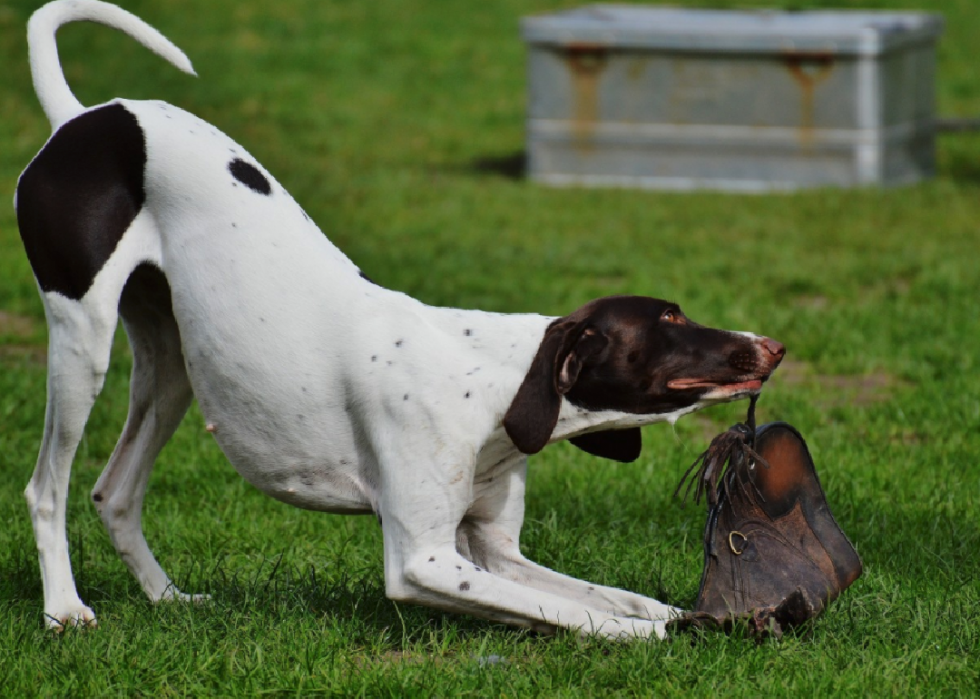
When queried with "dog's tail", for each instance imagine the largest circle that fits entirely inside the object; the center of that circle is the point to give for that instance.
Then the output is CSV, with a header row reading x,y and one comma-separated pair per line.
x,y
52,89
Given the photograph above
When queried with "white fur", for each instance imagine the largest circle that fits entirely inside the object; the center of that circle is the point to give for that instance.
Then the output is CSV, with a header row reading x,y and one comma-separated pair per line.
x,y
323,390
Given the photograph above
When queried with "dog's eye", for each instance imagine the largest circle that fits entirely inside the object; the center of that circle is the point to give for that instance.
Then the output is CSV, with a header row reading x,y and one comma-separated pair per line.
x,y
672,316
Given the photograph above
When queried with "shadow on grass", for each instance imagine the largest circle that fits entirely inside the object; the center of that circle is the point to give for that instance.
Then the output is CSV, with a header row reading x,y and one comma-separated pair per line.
x,y
275,592
930,548
957,159
963,171
511,166
352,600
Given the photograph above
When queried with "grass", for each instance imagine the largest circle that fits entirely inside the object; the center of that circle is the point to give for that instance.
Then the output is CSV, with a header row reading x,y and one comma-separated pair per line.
x,y
377,116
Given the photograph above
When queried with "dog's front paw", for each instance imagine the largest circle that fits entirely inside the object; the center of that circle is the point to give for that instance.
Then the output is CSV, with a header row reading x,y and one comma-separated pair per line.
x,y
172,594
659,612
659,630
78,615
626,629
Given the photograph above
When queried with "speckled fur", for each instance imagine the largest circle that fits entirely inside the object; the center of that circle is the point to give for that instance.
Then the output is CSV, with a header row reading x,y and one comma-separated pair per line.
x,y
324,390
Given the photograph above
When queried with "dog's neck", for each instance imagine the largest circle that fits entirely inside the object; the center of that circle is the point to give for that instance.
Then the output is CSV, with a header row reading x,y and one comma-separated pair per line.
x,y
509,342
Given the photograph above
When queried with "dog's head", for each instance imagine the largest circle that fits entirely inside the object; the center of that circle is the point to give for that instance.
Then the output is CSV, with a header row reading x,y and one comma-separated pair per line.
x,y
632,354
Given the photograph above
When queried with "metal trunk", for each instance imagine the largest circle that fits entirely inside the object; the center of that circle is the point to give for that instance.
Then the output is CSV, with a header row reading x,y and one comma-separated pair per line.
x,y
750,101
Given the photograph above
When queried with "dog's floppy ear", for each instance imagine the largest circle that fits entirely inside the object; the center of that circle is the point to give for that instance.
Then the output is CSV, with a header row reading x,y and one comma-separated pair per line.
x,y
533,413
618,445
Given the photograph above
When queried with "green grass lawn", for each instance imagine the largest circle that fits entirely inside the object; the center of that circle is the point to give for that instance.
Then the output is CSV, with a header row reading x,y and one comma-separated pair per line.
x,y
377,116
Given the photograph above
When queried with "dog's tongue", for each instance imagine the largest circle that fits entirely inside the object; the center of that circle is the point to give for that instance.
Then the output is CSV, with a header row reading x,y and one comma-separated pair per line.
x,y
683,384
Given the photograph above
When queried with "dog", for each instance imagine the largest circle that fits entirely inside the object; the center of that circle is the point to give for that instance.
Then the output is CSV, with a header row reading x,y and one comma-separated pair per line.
x,y
323,389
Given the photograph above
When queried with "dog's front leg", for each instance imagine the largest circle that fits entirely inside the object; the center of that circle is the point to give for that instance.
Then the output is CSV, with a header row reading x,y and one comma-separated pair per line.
x,y
492,531
421,510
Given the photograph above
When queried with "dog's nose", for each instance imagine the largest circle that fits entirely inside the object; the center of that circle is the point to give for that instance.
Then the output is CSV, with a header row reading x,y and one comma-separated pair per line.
x,y
775,349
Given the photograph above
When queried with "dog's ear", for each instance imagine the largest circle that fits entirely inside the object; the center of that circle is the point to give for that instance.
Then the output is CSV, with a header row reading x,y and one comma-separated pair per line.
x,y
533,413
618,445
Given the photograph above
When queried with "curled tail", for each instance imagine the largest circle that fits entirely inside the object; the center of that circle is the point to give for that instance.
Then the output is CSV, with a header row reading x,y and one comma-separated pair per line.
x,y
52,89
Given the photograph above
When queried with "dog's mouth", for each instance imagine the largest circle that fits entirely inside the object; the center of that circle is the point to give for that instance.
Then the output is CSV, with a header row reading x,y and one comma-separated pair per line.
x,y
751,386
751,370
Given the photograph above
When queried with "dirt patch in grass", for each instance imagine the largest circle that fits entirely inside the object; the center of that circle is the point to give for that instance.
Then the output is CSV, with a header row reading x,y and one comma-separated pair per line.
x,y
814,301
833,391
31,354
421,657
839,389
20,328
397,657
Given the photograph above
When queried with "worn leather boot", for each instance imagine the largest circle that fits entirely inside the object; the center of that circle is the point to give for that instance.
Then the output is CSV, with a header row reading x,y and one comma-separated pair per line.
x,y
773,553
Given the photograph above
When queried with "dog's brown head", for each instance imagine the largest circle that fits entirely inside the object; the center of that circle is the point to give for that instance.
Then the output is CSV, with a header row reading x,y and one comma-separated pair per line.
x,y
632,354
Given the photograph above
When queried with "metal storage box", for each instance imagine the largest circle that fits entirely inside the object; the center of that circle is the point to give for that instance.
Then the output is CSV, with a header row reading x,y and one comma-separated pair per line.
x,y
627,95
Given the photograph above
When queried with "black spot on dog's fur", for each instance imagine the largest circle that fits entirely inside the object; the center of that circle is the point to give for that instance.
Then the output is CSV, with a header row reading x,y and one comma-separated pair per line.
x,y
464,586
78,197
249,175
363,276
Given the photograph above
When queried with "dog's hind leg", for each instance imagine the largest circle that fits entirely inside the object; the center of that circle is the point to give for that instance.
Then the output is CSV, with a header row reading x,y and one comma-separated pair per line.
x,y
160,394
81,214
79,342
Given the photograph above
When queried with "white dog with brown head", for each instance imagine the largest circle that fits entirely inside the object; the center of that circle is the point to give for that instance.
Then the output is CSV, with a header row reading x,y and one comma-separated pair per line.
x,y
323,389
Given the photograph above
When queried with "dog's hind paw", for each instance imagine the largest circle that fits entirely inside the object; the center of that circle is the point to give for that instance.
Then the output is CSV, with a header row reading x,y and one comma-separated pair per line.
x,y
78,616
